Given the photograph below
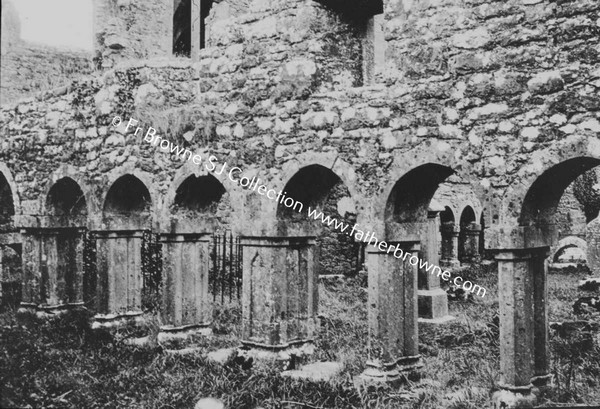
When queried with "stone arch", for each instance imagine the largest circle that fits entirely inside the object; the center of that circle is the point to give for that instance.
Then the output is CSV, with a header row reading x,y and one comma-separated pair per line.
x,y
127,204
319,188
69,177
66,200
200,204
328,160
410,196
529,209
568,242
516,226
539,204
467,215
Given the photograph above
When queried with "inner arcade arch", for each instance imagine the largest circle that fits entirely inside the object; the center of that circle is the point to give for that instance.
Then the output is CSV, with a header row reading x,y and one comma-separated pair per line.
x,y
522,282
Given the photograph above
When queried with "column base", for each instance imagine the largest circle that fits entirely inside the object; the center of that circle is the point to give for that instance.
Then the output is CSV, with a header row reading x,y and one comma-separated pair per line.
x,y
514,397
171,333
48,311
392,373
285,357
115,321
433,305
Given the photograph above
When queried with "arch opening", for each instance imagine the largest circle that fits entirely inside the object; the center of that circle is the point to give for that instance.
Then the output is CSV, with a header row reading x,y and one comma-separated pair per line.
x,y
570,253
541,201
467,217
198,194
319,189
412,193
127,195
447,216
200,205
66,198
127,205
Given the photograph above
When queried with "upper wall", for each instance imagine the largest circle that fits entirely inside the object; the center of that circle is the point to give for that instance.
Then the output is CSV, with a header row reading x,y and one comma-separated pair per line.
x,y
461,37
267,30
132,29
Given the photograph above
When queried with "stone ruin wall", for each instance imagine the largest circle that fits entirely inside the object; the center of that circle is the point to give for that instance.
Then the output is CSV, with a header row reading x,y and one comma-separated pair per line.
x,y
496,90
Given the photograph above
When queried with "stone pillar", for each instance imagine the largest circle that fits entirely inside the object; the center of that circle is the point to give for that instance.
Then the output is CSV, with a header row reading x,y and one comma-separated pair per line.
x,y
522,293
539,269
592,237
52,267
119,268
471,242
186,263
279,292
433,301
393,334
450,234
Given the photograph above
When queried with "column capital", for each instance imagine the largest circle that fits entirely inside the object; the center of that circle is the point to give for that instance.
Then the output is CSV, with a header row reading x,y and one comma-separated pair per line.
x,y
449,228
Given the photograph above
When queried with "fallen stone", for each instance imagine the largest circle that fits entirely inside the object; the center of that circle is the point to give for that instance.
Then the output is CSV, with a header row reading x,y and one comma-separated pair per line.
x,y
221,356
316,372
209,403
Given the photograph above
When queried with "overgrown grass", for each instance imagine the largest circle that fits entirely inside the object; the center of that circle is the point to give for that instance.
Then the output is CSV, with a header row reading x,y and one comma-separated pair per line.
x,y
64,364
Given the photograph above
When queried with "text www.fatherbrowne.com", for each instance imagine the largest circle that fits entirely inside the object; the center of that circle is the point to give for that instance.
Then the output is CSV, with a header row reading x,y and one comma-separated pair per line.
x,y
235,174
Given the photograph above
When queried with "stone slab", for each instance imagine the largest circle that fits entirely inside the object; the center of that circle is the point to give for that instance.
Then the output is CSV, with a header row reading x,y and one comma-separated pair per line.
x,y
316,372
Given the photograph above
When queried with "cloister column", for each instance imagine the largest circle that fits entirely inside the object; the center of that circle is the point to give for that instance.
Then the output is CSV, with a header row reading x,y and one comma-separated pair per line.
x,y
119,266
432,300
393,334
186,263
471,242
52,267
279,292
450,233
539,265
522,293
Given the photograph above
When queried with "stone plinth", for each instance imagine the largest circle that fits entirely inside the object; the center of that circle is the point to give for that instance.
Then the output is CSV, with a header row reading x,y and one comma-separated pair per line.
x,y
522,292
393,335
52,268
119,268
186,262
280,294
432,300
450,233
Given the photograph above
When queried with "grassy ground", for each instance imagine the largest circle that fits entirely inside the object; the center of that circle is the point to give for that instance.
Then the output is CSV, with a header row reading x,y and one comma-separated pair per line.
x,y
64,364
